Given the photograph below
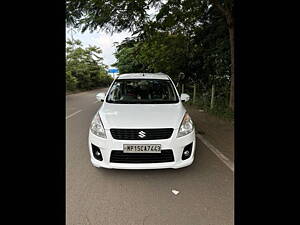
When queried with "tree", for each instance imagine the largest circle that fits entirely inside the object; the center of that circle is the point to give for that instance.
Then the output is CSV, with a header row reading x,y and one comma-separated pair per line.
x,y
112,15
190,19
227,11
71,81
160,53
84,67
127,60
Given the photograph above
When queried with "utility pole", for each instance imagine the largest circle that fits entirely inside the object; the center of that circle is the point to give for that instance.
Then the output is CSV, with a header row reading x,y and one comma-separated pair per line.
x,y
181,78
212,96
194,94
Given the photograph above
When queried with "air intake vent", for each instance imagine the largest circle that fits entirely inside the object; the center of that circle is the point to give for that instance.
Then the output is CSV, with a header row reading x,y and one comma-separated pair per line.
x,y
121,157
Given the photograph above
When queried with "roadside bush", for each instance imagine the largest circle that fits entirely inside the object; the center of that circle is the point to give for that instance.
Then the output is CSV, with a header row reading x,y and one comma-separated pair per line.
x,y
105,80
71,82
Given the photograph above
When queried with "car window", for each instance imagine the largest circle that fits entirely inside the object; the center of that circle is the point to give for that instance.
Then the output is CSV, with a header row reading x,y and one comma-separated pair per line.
x,y
142,91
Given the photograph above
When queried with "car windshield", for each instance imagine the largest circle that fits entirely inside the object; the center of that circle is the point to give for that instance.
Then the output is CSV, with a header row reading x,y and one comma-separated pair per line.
x,y
142,91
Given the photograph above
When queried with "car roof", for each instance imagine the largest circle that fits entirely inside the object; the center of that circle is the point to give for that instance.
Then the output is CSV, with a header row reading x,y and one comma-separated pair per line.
x,y
160,76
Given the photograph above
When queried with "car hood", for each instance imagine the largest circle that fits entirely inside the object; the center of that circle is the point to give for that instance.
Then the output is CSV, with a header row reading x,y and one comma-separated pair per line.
x,y
141,115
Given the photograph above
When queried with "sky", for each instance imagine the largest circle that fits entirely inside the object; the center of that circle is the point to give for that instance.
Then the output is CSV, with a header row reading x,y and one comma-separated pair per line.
x,y
102,40
105,41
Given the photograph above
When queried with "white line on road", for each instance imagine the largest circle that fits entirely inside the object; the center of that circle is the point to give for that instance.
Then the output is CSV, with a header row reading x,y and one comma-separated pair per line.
x,y
73,114
217,152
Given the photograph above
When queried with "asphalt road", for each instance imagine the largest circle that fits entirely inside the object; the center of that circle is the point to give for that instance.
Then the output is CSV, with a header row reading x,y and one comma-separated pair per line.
x,y
128,197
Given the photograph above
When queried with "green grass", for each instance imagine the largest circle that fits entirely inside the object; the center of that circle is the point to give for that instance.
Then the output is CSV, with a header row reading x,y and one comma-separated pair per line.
x,y
223,113
220,110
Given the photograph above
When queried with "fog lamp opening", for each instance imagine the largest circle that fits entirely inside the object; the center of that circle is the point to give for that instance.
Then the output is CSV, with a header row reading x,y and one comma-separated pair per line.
x,y
187,151
96,152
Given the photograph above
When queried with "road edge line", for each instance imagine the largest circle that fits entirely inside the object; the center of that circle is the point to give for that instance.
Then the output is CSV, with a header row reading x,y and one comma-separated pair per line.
x,y
217,152
73,114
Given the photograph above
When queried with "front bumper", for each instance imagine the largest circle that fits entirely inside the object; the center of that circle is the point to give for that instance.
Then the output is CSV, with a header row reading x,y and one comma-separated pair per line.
x,y
175,144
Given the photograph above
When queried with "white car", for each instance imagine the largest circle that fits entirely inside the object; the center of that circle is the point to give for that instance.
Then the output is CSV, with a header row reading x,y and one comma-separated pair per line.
x,y
142,124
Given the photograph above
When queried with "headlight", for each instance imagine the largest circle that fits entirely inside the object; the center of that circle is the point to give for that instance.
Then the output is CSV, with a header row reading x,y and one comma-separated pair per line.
x,y
97,127
186,126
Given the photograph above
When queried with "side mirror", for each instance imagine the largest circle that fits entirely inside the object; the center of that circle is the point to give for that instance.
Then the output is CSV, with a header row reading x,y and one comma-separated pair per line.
x,y
184,97
100,97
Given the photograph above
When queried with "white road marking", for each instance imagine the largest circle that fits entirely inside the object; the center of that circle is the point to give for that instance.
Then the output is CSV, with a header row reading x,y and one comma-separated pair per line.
x,y
217,152
73,114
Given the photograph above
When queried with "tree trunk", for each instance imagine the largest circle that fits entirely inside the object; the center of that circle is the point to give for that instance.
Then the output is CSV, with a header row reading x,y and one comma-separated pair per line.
x,y
231,36
227,12
182,88
212,100
194,95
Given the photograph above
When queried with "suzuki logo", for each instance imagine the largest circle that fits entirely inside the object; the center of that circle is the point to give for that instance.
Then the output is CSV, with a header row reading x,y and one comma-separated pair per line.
x,y
142,134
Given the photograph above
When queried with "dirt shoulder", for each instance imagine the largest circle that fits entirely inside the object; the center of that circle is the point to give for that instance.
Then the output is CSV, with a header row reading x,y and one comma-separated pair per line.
x,y
74,92
218,132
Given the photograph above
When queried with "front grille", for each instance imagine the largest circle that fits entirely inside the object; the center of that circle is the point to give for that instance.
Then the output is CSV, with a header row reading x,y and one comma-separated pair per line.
x,y
141,134
120,157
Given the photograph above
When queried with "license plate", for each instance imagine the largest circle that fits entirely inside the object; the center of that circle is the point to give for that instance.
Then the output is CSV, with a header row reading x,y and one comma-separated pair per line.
x,y
142,148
